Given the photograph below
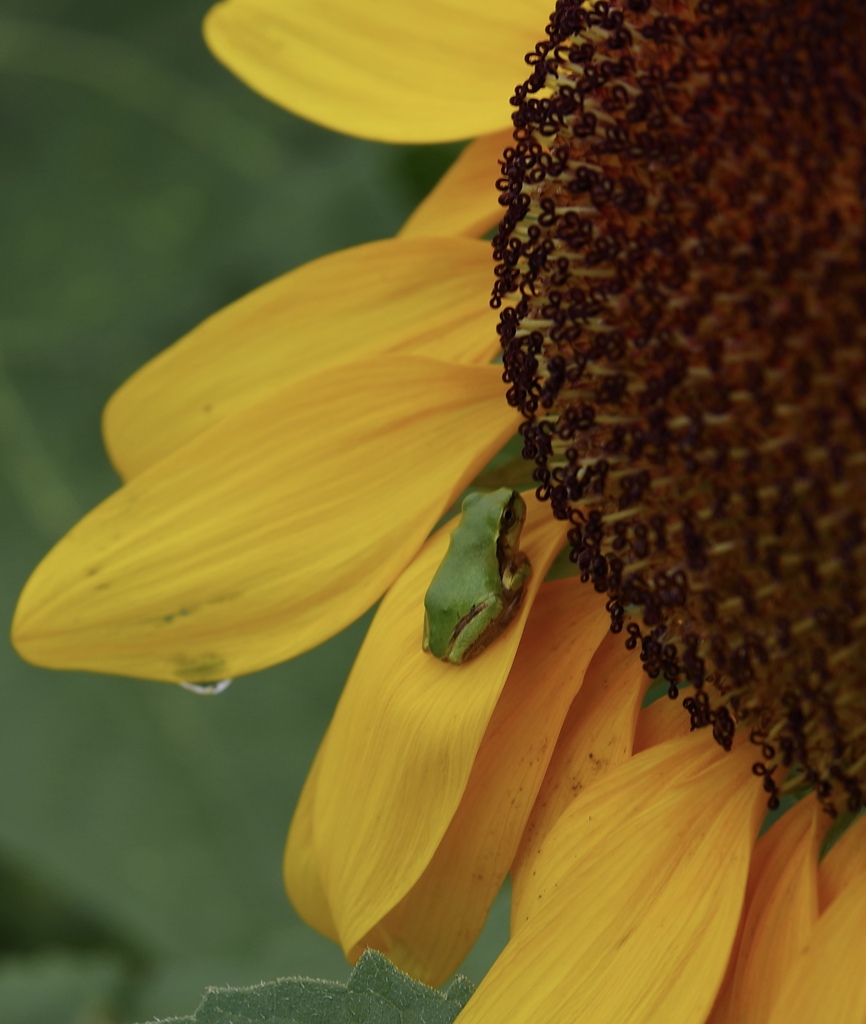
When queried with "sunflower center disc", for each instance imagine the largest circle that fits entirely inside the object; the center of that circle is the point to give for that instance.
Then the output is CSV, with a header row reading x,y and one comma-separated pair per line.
x,y
682,278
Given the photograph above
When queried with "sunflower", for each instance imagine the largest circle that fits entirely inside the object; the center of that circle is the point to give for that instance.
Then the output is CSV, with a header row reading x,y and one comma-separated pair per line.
x,y
680,280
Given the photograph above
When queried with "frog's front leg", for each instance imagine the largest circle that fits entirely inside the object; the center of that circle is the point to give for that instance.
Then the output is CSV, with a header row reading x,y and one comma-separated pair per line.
x,y
515,575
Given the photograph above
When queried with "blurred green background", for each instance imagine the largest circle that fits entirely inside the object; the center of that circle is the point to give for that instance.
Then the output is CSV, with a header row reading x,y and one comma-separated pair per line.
x,y
141,827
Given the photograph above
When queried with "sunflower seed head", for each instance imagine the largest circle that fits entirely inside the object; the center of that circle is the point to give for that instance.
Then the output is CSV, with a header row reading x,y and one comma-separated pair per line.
x,y
681,272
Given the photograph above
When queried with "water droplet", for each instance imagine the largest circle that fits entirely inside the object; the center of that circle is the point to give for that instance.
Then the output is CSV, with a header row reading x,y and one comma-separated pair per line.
x,y
208,689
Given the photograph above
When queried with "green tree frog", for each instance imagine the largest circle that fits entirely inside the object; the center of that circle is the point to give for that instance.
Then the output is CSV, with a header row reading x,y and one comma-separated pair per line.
x,y
477,589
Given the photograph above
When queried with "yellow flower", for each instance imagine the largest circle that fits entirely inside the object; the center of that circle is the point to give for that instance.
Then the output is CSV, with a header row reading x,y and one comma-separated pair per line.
x,y
681,266
641,200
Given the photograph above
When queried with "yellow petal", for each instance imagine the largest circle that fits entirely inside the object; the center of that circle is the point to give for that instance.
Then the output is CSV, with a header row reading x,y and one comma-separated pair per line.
x,y
827,982
269,532
414,297
781,910
431,930
595,737
664,719
843,863
301,863
387,70
465,201
402,742
639,888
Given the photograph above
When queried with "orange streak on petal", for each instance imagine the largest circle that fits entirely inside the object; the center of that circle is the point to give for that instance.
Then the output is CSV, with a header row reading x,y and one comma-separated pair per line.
x,y
844,862
403,741
827,981
663,720
595,737
781,909
638,892
433,928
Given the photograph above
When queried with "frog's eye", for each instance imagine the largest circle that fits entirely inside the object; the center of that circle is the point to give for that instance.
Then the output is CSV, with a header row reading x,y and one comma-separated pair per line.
x,y
508,516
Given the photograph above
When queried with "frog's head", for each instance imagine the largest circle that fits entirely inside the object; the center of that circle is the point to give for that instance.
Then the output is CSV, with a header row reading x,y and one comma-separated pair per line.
x,y
511,519
503,512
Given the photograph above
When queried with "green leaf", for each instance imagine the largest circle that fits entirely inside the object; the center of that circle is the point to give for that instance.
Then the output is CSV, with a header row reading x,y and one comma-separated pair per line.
x,y
376,993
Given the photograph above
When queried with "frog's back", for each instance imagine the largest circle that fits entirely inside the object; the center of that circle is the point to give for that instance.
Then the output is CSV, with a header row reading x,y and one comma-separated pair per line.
x,y
459,575
469,573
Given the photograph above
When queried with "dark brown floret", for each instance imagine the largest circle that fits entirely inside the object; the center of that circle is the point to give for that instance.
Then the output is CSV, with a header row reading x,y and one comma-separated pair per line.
x,y
682,276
